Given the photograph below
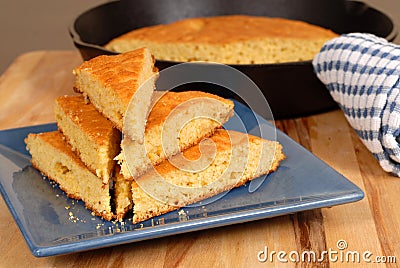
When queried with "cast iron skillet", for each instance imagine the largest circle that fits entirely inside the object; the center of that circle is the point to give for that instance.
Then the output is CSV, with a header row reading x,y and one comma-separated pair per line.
x,y
291,89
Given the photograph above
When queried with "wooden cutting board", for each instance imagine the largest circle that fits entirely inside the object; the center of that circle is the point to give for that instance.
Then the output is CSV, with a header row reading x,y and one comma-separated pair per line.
x,y
30,85
27,93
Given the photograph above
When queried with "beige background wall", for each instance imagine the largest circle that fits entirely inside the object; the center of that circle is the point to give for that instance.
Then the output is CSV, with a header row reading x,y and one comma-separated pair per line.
x,y
27,25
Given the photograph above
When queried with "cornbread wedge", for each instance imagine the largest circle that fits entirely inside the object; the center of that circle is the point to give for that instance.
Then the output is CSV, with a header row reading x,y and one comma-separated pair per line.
x,y
112,82
226,160
91,135
122,195
54,157
176,121
232,39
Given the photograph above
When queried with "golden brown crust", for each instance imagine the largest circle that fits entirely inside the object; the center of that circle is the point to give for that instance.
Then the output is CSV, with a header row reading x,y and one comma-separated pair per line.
x,y
119,72
169,101
120,87
165,208
221,138
232,39
87,118
236,28
92,137
177,121
57,141
225,141
104,215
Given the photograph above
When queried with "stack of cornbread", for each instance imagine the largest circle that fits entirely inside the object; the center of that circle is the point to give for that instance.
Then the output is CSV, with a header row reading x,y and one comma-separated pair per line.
x,y
118,137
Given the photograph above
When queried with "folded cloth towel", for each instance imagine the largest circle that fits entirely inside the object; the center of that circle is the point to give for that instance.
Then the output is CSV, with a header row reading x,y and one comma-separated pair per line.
x,y
362,73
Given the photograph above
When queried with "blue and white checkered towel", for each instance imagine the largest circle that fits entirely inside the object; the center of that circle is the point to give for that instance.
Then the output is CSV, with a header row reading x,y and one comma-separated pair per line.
x,y
362,73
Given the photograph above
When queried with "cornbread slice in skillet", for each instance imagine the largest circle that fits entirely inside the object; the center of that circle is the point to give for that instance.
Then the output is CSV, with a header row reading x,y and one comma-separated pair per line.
x,y
112,82
92,136
226,160
54,157
231,39
177,120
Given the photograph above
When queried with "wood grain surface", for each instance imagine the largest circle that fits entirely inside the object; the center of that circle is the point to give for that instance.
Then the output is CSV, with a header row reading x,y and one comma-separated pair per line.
x,y
27,92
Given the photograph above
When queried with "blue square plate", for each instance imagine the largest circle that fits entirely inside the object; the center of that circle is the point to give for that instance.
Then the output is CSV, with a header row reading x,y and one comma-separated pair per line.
x,y
53,224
